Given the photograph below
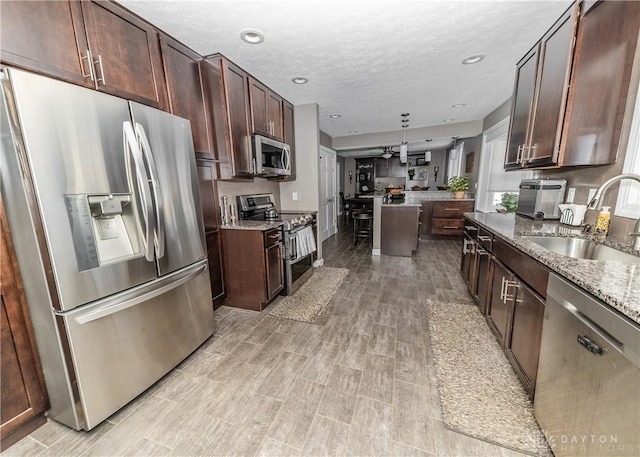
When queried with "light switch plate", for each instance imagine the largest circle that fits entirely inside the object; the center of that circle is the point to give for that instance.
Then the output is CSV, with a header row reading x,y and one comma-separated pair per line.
x,y
571,194
294,196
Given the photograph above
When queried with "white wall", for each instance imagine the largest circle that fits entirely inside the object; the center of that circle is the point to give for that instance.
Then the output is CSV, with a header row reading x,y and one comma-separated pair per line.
x,y
307,134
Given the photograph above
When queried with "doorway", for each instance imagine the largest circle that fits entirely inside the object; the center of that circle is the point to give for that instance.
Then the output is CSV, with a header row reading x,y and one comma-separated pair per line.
x,y
328,193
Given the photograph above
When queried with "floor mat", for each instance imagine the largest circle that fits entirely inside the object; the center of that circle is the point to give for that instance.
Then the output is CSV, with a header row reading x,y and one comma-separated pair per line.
x,y
309,302
480,394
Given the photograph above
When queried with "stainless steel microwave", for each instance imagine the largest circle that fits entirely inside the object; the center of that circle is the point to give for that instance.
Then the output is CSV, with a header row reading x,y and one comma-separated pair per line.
x,y
272,158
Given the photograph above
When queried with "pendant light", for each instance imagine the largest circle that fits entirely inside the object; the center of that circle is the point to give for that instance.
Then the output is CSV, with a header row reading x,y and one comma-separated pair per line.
x,y
427,154
403,146
387,152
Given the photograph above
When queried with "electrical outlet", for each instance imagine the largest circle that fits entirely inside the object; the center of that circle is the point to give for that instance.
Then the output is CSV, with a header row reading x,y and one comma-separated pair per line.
x,y
294,196
571,194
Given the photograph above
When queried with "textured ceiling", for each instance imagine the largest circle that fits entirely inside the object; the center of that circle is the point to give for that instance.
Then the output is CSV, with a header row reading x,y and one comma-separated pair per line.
x,y
372,60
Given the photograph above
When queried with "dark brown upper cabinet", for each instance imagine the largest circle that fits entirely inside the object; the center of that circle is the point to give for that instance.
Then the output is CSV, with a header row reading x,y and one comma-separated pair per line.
x,y
288,127
47,37
186,95
539,98
266,111
227,98
126,54
94,44
605,50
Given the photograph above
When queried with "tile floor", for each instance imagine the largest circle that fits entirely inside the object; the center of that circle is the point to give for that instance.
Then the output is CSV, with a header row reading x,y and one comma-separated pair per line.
x,y
360,382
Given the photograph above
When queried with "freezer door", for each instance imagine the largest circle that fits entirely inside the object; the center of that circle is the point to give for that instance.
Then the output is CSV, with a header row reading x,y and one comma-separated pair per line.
x,y
120,346
73,148
167,144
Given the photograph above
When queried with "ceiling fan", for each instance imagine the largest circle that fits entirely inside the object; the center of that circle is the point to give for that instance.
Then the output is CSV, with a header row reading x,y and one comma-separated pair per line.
x,y
387,152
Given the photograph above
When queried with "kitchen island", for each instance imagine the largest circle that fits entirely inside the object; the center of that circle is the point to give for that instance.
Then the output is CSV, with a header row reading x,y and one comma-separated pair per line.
x,y
400,222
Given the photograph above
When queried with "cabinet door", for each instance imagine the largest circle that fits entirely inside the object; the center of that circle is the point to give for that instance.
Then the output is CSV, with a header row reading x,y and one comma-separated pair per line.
x,y
23,397
259,100
237,104
289,136
47,37
468,249
483,267
275,115
605,49
126,54
523,93
556,52
184,88
526,333
214,254
499,312
275,270
425,218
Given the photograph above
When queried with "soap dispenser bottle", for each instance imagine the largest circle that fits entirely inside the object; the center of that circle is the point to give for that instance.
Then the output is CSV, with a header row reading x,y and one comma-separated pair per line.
x,y
602,222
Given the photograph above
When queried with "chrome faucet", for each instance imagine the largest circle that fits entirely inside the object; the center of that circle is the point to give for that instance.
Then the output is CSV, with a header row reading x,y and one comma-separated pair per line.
x,y
597,200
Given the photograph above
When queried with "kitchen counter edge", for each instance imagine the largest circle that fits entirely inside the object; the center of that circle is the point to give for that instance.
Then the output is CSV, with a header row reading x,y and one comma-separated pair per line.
x,y
615,283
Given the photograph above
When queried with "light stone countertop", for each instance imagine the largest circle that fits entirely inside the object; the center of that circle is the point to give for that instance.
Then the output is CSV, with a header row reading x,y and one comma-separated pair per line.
x,y
615,283
252,225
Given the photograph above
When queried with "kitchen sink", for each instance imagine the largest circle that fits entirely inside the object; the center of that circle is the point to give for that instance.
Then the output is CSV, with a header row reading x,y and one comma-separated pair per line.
x,y
581,248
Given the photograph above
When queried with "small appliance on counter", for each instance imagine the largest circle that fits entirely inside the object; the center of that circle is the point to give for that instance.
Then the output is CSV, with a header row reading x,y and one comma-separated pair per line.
x,y
540,198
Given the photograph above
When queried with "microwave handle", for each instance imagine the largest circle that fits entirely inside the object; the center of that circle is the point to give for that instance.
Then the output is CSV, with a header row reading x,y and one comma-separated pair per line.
x,y
286,159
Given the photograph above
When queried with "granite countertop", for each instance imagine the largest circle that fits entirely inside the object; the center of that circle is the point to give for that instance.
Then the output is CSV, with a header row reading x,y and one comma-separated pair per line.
x,y
252,225
615,283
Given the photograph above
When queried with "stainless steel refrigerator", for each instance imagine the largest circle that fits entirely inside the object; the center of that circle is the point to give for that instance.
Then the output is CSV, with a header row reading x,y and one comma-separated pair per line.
x,y
103,205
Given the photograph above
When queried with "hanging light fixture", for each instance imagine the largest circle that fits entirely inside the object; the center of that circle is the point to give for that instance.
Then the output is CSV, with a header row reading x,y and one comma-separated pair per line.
x,y
453,154
387,152
427,154
403,146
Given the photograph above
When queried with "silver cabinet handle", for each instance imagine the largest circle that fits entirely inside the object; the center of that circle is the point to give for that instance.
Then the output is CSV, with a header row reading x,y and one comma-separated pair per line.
x,y
253,166
484,238
99,62
519,155
470,228
89,60
481,251
502,289
450,227
142,178
156,193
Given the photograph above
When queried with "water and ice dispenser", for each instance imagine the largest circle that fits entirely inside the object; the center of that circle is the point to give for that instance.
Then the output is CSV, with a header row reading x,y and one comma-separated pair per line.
x,y
105,229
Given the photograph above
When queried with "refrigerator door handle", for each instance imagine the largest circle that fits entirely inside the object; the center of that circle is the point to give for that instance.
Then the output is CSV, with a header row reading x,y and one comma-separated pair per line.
x,y
142,178
157,194
122,302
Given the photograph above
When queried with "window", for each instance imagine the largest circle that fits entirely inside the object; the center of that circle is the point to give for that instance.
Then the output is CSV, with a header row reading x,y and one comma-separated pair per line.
x,y
628,204
493,181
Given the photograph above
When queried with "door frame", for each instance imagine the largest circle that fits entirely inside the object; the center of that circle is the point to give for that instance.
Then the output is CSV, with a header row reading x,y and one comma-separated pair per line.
x,y
324,150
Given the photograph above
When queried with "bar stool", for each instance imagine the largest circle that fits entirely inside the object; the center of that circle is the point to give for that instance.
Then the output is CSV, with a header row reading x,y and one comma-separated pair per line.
x,y
362,226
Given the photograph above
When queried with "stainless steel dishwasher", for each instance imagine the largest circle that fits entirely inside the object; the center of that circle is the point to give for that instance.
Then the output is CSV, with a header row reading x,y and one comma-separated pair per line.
x,y
587,397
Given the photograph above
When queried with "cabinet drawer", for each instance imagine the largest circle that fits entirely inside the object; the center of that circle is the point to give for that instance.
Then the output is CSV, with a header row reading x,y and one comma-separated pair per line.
x,y
447,227
450,209
485,238
272,236
529,270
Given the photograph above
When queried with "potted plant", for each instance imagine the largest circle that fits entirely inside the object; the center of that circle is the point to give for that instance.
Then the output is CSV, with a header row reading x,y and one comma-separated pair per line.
x,y
458,185
509,202
411,172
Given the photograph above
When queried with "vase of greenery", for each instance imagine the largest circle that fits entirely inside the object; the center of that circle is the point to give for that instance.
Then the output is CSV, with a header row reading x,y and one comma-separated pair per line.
x,y
411,173
458,185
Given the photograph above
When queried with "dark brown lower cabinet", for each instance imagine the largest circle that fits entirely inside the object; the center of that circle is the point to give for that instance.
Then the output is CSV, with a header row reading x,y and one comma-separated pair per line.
x,y
214,255
523,348
23,392
499,312
253,267
482,284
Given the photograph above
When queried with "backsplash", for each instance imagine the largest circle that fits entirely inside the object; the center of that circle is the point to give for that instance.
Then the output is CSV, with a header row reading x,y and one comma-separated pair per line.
x,y
231,189
583,179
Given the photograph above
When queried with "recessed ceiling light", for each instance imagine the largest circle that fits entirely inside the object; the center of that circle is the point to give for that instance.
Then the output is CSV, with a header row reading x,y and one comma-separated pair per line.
x,y
300,80
458,105
473,59
334,116
353,131
252,36
448,120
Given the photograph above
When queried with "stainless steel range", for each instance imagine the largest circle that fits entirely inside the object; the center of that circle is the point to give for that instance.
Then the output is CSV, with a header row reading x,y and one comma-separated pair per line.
x,y
299,230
